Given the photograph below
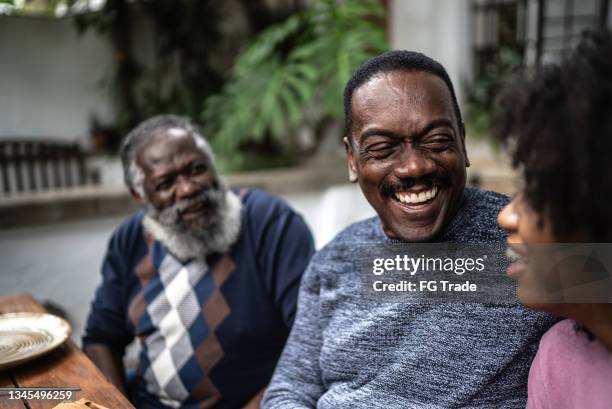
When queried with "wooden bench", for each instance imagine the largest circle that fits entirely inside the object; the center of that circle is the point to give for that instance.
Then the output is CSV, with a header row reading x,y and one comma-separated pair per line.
x,y
33,165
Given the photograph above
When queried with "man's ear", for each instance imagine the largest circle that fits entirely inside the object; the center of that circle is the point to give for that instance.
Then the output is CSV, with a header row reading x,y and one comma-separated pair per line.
x,y
462,130
350,159
137,196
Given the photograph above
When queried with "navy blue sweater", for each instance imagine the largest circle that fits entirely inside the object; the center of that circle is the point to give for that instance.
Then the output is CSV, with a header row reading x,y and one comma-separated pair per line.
x,y
241,330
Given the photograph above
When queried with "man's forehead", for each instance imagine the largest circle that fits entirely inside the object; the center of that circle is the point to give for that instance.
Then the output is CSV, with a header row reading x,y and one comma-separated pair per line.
x,y
163,146
401,86
400,94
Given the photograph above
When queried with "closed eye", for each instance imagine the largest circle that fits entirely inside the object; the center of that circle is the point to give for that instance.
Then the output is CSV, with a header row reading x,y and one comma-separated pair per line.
x,y
380,150
437,144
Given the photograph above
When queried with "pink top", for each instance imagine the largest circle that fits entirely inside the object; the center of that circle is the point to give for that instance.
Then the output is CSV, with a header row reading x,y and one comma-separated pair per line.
x,y
569,371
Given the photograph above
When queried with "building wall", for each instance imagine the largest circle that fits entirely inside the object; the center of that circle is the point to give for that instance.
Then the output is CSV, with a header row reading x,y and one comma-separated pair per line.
x,y
557,34
52,79
438,28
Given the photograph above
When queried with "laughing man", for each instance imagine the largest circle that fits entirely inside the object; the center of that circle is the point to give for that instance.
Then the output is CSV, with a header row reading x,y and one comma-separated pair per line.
x,y
406,149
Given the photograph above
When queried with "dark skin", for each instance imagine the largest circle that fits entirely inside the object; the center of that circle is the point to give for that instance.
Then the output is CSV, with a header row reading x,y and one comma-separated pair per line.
x,y
175,169
526,226
405,139
109,363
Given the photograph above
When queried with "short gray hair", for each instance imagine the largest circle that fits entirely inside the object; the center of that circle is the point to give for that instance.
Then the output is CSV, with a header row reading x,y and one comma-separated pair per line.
x,y
146,131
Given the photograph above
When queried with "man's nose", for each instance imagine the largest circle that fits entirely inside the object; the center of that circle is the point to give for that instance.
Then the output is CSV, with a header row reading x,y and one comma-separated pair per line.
x,y
185,188
413,163
508,218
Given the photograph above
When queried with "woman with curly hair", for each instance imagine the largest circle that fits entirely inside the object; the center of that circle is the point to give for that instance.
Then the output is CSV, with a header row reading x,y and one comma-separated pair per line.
x,y
558,126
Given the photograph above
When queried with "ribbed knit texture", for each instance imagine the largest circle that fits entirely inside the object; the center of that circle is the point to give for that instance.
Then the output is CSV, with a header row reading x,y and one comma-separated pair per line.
x,y
346,353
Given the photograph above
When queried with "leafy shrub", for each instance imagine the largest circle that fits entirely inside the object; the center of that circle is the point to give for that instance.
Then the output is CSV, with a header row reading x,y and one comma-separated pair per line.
x,y
293,74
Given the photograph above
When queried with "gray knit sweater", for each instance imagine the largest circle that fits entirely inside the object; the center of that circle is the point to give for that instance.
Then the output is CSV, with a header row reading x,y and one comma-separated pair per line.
x,y
344,352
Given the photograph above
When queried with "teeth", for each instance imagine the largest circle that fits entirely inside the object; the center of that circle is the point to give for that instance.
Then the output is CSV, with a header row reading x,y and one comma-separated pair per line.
x,y
416,198
512,254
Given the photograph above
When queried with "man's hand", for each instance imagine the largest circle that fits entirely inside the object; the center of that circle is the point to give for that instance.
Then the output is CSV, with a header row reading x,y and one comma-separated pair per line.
x,y
109,363
255,401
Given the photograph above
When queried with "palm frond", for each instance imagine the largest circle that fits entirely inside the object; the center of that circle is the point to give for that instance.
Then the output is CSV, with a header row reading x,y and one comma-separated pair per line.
x,y
289,67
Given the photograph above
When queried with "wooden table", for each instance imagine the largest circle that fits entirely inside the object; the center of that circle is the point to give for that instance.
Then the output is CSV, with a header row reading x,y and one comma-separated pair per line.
x,y
63,367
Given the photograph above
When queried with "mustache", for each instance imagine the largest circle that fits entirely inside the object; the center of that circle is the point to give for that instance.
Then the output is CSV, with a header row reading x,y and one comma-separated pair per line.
x,y
210,200
390,187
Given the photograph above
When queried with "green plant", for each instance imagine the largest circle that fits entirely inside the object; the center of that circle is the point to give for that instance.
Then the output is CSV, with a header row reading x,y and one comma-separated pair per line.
x,y
179,73
482,92
293,74
35,7
192,48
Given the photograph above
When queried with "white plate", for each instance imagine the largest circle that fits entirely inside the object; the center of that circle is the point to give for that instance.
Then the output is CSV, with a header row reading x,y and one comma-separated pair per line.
x,y
27,335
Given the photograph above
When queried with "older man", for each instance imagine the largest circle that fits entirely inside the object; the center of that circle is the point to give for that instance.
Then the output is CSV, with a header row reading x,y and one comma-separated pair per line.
x,y
205,277
406,149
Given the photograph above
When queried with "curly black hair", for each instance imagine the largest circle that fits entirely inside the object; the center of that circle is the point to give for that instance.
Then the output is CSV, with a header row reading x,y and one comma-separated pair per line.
x,y
557,124
396,60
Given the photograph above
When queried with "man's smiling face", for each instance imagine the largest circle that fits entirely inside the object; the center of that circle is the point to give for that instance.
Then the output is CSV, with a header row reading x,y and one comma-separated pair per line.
x,y
406,150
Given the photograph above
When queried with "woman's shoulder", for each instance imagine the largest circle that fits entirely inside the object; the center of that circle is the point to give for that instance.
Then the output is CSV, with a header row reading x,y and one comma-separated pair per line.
x,y
567,337
563,331
565,345
571,369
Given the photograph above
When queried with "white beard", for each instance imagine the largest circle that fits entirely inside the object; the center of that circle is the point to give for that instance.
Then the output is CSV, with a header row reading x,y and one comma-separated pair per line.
x,y
186,245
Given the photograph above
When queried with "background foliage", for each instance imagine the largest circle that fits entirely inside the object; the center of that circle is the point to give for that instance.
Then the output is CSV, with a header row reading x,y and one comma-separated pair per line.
x,y
495,59
484,89
192,52
266,92
292,76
